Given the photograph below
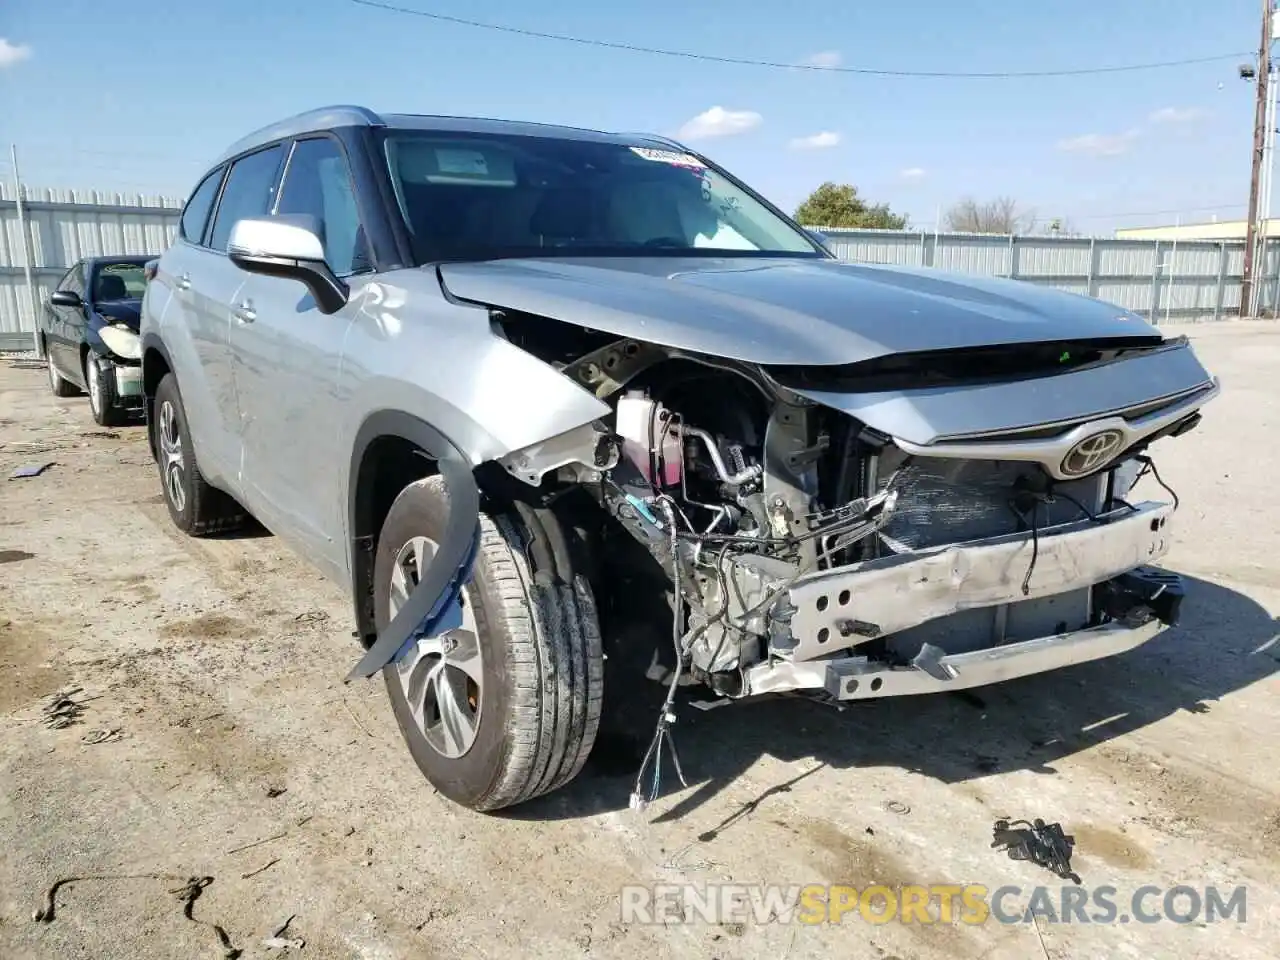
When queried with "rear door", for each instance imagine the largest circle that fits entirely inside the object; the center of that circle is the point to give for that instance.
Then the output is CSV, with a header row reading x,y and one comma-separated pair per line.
x,y
208,288
287,361
197,349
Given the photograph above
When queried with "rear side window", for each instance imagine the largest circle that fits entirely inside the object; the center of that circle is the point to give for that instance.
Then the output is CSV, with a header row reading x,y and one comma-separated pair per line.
x,y
249,191
196,215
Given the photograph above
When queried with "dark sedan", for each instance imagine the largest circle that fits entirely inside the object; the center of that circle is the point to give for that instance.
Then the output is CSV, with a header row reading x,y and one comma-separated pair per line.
x,y
89,333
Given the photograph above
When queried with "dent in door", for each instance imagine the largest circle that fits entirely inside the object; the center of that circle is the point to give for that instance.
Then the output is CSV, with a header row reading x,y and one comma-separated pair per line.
x,y
287,363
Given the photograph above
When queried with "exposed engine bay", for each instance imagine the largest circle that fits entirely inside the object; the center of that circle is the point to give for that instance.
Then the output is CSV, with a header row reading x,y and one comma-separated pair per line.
x,y
807,550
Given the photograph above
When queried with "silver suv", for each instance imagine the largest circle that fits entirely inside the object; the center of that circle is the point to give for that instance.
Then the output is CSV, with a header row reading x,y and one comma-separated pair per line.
x,y
533,394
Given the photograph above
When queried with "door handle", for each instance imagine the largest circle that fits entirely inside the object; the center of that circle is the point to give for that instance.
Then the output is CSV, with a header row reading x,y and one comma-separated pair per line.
x,y
184,282
245,312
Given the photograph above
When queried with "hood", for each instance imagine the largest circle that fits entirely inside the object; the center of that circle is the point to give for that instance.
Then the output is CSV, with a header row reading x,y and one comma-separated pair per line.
x,y
127,312
788,311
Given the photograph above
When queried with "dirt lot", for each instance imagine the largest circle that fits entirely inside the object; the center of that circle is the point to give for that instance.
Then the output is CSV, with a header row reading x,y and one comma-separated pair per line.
x,y
219,663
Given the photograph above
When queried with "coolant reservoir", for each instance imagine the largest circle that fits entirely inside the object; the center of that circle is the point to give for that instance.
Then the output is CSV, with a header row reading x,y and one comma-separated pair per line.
x,y
649,435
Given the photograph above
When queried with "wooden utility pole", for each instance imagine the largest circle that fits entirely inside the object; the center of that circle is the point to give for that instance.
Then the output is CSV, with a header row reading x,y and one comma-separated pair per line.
x,y
1259,146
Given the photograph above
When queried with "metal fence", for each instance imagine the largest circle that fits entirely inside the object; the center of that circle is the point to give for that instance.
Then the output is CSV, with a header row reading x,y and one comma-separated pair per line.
x,y
55,228
1165,280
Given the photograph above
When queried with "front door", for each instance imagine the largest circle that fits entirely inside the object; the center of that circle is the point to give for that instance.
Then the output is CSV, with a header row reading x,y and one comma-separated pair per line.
x,y
288,359
62,340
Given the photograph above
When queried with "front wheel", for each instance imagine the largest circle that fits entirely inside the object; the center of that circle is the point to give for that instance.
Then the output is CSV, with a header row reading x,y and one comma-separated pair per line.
x,y
104,401
504,706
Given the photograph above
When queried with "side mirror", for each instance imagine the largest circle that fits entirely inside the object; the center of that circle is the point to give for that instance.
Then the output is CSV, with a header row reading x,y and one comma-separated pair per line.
x,y
287,246
820,239
66,298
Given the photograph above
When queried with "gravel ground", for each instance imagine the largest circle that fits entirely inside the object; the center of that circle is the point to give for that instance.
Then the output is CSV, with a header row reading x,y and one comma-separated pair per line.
x,y
215,667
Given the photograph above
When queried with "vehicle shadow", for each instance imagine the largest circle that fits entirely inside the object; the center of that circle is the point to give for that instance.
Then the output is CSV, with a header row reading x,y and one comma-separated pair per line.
x,y
1225,642
251,529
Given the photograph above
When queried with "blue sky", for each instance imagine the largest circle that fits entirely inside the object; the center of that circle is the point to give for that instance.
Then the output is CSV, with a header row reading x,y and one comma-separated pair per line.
x,y
140,96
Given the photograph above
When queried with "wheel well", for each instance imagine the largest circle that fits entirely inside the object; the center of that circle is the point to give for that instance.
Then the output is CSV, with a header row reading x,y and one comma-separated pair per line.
x,y
154,369
390,463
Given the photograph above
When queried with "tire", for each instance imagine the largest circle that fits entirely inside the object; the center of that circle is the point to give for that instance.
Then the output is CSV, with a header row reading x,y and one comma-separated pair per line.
x,y
197,508
541,665
104,401
59,386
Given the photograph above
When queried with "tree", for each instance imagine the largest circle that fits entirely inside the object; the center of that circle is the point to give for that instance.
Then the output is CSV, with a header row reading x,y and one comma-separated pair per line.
x,y
838,205
1001,215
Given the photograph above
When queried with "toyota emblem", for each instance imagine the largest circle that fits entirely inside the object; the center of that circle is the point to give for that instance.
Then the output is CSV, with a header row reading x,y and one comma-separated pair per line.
x,y
1091,453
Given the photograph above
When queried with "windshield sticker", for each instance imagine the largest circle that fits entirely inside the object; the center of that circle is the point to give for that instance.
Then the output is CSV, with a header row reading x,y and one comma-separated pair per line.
x,y
464,162
669,156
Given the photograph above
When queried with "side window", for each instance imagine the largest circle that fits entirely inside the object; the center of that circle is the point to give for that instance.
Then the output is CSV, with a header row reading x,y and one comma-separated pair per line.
x,y
75,279
196,214
317,182
249,192
68,281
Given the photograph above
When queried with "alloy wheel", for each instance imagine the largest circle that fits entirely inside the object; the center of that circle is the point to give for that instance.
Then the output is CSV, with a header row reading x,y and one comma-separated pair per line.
x,y
92,374
172,463
441,676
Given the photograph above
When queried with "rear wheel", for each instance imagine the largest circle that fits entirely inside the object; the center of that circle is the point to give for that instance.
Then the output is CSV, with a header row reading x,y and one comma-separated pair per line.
x,y
505,705
104,401
196,507
59,386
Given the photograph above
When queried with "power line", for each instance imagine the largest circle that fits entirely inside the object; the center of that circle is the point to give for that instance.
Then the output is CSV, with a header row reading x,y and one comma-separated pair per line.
x,y
744,61
1156,213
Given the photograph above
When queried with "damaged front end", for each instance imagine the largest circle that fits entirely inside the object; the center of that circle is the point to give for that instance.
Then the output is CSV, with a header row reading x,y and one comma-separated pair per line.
x,y
914,524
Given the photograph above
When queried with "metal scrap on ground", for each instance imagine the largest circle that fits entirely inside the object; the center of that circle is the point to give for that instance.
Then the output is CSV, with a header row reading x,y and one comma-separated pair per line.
x,y
1040,843
62,711
102,736
31,470
278,941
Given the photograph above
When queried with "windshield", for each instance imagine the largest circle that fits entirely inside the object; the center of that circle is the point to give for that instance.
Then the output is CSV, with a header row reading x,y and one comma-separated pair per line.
x,y
479,197
119,281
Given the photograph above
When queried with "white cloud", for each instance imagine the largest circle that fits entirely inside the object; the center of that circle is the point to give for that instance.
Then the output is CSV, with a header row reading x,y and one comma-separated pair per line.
x,y
824,60
1177,115
1099,144
817,141
911,173
719,122
12,54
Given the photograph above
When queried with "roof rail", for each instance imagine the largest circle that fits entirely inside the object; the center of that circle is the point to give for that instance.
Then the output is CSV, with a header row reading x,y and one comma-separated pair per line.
x,y
321,118
654,138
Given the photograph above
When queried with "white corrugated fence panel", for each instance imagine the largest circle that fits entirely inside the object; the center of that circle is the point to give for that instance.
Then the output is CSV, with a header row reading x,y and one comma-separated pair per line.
x,y
65,225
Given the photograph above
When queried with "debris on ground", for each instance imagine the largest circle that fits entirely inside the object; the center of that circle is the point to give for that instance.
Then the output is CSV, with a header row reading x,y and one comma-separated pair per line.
x,y
312,616
61,710
1042,844
101,434
266,866
356,720
278,941
31,470
897,806
275,791
102,736
258,843
188,894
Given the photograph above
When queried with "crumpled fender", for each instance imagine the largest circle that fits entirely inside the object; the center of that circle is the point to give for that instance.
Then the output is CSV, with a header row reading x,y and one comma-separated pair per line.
x,y
438,591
